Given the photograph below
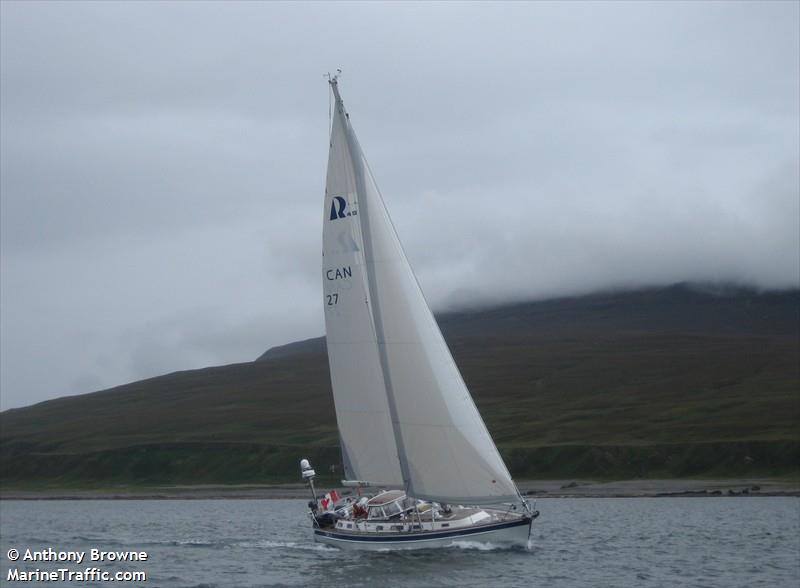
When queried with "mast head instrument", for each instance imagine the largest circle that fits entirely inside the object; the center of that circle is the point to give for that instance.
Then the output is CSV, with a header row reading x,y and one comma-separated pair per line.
x,y
333,79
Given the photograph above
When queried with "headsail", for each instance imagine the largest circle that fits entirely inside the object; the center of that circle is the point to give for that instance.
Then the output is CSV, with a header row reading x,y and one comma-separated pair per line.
x,y
388,354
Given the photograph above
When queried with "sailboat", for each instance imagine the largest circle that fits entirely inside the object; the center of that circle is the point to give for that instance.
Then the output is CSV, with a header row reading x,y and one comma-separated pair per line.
x,y
413,444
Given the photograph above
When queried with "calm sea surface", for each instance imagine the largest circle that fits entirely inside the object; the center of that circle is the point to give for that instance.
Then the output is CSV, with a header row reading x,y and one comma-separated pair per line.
x,y
724,542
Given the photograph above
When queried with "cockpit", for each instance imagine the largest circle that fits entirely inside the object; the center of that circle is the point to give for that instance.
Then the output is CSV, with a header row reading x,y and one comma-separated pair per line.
x,y
388,505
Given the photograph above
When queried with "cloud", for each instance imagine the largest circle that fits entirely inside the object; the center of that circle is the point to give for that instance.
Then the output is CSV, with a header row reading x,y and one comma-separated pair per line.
x,y
163,164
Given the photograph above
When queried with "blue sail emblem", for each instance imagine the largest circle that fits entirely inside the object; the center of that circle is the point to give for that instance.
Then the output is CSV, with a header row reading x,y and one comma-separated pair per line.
x,y
338,207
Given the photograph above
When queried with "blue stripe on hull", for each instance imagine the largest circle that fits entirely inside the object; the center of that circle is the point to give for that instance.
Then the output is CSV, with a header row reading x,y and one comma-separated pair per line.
x,y
399,537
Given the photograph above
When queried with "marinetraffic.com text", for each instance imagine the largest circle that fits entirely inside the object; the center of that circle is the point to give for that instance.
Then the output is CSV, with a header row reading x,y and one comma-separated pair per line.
x,y
25,565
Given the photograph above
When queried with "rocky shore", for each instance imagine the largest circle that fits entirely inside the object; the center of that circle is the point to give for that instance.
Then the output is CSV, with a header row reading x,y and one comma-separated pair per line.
x,y
533,489
659,488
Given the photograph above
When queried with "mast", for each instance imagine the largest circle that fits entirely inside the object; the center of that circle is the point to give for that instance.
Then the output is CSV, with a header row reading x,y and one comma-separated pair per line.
x,y
374,301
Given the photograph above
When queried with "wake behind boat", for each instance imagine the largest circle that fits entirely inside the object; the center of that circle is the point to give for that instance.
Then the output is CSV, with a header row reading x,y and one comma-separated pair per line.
x,y
407,423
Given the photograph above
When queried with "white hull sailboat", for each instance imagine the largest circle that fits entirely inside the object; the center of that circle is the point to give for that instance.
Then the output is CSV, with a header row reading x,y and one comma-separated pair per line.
x,y
413,443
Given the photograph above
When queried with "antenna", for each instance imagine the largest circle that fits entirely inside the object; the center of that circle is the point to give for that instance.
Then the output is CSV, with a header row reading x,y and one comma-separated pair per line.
x,y
332,79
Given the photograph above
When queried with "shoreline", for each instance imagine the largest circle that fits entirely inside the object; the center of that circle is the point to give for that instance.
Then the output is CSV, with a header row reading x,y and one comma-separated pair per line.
x,y
531,489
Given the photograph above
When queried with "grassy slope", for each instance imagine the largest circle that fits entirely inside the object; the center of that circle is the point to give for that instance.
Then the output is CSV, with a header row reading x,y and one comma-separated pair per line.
x,y
662,382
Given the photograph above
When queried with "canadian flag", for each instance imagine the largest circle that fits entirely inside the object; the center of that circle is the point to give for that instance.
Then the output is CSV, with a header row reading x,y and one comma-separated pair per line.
x,y
329,500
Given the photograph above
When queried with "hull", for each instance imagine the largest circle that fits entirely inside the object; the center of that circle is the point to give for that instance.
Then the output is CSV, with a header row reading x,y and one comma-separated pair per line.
x,y
505,534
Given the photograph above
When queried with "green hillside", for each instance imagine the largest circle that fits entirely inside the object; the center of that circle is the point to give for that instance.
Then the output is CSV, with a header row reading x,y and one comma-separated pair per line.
x,y
662,382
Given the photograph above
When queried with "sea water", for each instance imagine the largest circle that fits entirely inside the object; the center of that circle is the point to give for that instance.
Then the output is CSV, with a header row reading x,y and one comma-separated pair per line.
x,y
615,542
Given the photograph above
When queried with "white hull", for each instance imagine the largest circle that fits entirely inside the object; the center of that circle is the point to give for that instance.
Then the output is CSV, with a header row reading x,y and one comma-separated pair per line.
x,y
502,535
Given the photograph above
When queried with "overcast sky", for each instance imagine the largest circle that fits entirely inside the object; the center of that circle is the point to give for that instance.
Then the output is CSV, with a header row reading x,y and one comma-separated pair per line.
x,y
163,164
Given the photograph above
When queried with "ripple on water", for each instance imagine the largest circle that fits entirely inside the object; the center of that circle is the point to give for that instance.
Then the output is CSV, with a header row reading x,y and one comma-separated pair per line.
x,y
626,543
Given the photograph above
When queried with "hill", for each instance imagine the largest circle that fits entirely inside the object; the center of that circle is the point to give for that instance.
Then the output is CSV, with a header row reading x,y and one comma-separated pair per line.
x,y
677,381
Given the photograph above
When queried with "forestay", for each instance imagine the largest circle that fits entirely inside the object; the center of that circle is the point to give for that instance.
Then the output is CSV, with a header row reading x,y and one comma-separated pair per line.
x,y
405,415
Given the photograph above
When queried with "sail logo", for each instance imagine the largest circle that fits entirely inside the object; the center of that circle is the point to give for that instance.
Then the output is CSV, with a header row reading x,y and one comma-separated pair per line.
x,y
339,208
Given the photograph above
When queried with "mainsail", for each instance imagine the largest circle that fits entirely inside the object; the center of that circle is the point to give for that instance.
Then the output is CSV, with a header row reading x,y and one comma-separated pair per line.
x,y
405,416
